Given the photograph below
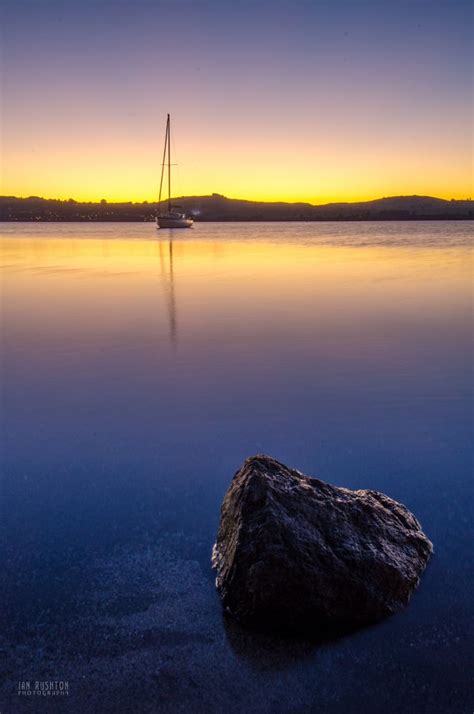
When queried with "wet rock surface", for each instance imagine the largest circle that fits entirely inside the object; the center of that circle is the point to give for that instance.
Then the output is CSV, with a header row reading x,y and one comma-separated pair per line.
x,y
295,553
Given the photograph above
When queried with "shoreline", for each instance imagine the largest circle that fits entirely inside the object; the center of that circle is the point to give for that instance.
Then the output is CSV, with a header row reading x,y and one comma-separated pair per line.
x,y
430,219
220,209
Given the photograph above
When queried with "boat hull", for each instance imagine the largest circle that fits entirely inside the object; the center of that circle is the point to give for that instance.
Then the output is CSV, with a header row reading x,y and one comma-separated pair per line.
x,y
164,222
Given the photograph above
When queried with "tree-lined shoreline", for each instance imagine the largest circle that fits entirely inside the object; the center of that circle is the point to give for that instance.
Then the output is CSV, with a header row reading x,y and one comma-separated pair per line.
x,y
219,208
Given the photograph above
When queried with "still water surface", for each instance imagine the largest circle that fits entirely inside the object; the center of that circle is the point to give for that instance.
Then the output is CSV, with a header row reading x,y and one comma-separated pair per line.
x,y
141,368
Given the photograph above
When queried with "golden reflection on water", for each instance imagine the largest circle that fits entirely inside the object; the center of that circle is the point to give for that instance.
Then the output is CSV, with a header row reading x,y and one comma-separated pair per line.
x,y
202,289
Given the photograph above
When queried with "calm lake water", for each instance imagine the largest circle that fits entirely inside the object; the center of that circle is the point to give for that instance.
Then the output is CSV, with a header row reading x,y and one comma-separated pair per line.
x,y
140,368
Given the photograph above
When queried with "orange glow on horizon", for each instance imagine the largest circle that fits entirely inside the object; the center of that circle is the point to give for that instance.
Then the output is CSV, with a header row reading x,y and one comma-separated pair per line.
x,y
289,106
121,171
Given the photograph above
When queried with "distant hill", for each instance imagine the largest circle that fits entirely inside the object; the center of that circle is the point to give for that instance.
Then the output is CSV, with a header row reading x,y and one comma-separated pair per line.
x,y
220,208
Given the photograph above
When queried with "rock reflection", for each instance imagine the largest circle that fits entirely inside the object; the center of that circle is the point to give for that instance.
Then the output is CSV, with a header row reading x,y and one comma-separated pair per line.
x,y
264,650
277,650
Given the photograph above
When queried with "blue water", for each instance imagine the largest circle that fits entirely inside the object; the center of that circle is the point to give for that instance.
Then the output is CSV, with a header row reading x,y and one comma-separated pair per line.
x,y
141,368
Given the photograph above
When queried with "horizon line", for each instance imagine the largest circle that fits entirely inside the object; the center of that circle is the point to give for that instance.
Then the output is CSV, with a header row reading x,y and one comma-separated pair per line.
x,y
228,198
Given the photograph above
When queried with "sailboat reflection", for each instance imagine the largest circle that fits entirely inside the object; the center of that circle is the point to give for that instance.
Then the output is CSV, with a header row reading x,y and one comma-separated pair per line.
x,y
167,274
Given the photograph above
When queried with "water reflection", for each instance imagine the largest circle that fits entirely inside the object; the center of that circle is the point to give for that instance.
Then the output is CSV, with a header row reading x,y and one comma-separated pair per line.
x,y
270,651
167,278
264,650
351,363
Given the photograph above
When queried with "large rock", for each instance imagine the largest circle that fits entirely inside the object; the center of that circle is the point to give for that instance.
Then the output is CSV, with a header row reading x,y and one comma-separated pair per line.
x,y
295,553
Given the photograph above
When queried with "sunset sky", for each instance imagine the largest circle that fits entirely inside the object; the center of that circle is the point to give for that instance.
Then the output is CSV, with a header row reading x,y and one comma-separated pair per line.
x,y
334,100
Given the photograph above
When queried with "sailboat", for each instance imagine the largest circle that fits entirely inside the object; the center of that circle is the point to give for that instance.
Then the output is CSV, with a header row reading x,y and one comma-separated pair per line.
x,y
173,217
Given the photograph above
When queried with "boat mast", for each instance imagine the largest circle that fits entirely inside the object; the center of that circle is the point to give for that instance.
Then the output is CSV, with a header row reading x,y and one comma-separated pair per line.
x,y
169,164
163,163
